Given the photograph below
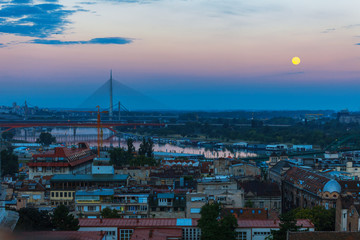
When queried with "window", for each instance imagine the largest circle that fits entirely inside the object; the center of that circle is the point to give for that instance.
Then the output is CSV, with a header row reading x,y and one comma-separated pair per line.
x,y
240,235
143,208
261,204
91,208
191,233
125,234
110,233
61,194
195,210
57,194
65,194
52,194
79,208
261,233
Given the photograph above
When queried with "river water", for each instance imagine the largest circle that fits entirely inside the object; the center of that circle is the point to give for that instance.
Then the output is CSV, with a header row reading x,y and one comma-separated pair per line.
x,y
89,135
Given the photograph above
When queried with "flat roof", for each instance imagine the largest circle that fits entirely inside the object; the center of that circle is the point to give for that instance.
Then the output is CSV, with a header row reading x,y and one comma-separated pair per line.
x,y
89,177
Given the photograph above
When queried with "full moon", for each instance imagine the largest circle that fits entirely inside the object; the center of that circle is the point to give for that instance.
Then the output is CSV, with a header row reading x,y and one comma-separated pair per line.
x,y
296,60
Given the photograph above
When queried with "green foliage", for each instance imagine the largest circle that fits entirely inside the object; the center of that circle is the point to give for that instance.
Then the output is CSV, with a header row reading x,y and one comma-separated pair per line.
x,y
315,132
213,228
108,213
9,163
30,219
130,147
324,220
7,135
119,157
143,160
63,220
46,139
287,223
249,204
146,148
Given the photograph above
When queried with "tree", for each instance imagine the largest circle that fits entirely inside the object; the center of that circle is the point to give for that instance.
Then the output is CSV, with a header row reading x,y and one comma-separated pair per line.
x,y
108,213
9,162
63,220
130,147
214,228
287,224
119,157
249,204
146,148
323,219
142,161
143,147
46,138
7,135
30,219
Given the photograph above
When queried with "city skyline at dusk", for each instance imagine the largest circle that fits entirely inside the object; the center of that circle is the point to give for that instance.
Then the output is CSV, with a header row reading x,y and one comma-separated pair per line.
x,y
186,54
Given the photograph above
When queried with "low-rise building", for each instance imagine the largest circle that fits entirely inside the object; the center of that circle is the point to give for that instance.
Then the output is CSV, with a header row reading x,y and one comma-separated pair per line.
x,y
305,189
62,160
180,228
64,186
262,194
167,205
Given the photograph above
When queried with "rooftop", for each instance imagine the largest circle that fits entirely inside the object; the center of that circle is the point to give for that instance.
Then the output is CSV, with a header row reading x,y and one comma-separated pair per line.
x,y
88,177
157,234
324,236
61,235
180,222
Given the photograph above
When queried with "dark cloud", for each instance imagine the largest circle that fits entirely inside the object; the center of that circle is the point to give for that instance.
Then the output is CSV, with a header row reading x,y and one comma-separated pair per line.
x,y
33,20
107,40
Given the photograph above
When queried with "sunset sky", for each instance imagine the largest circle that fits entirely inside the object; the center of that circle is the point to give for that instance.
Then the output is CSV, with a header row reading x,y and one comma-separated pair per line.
x,y
194,54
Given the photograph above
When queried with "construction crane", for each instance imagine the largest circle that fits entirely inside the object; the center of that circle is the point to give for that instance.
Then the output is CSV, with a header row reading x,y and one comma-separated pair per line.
x,y
98,126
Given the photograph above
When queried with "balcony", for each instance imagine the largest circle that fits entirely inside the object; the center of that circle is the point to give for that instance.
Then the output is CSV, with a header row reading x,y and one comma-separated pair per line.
x,y
165,204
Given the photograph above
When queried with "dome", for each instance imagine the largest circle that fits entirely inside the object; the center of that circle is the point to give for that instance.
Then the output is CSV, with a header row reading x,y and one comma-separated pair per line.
x,y
332,186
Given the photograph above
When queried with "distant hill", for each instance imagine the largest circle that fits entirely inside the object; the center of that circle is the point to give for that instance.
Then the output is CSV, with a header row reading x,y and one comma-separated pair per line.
x,y
129,97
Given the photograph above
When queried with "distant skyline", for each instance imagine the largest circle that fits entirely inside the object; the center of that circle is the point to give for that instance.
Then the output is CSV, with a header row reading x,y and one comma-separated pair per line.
x,y
188,55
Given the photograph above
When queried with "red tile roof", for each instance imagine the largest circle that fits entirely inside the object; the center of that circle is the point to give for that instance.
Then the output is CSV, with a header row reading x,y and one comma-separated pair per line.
x,y
305,223
72,157
156,234
131,223
61,235
324,235
306,180
246,213
172,222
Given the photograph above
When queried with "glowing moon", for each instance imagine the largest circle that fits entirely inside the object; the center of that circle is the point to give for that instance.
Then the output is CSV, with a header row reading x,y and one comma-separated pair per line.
x,y
296,60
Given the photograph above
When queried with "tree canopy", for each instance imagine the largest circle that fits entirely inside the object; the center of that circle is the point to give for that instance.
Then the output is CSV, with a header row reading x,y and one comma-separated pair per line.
x,y
146,148
8,135
31,219
213,227
287,224
46,138
9,162
63,220
323,219
108,213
